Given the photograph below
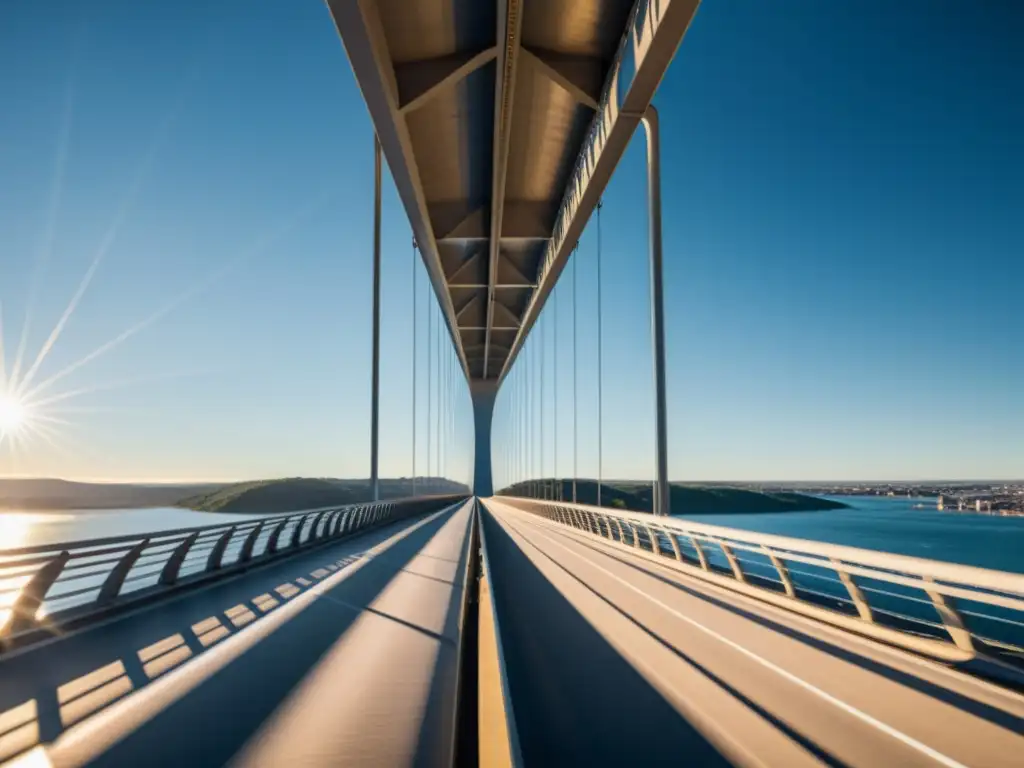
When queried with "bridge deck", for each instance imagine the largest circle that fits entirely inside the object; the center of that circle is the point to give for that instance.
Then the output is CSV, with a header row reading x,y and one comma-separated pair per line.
x,y
343,655
614,659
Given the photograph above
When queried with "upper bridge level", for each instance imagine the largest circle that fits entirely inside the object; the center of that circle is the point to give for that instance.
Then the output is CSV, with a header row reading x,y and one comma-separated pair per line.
x,y
501,122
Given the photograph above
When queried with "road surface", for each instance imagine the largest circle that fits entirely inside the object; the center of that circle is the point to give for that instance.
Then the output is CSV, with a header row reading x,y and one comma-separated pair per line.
x,y
616,660
344,655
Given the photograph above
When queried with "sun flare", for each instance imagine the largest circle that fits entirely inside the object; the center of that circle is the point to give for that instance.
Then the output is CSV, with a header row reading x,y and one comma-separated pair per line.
x,y
13,413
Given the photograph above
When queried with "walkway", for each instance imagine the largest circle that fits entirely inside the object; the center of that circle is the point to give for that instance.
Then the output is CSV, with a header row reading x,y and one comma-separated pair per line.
x,y
344,655
615,660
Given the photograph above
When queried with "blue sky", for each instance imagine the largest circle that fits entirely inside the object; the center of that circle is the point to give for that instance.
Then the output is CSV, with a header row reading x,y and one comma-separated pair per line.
x,y
842,188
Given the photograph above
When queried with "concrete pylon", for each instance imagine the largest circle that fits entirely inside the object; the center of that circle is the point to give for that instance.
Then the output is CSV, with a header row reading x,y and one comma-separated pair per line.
x,y
483,394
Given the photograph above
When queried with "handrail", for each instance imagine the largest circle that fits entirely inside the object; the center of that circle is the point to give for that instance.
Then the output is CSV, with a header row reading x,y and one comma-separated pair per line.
x,y
256,518
760,563
112,571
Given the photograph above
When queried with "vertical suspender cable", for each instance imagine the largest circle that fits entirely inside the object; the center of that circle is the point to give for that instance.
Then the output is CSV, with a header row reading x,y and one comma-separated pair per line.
x,y
543,354
600,368
415,282
430,385
375,373
554,419
442,400
575,389
535,415
437,412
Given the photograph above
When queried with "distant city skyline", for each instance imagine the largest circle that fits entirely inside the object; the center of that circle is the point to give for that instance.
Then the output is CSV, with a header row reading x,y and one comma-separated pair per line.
x,y
842,270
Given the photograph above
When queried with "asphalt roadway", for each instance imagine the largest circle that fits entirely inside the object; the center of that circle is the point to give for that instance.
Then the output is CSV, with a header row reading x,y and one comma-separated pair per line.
x,y
344,655
616,660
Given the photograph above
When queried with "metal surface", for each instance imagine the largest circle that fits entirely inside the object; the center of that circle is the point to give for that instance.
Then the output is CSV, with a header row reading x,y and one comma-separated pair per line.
x,y
662,499
53,584
886,596
483,394
502,121
375,384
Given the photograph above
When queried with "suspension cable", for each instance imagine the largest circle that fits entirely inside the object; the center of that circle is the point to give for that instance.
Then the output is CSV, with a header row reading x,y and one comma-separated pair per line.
x,y
575,389
430,385
600,368
557,488
415,285
543,405
437,415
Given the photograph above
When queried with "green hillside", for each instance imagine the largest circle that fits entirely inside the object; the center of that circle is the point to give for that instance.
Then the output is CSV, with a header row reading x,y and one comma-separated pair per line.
x,y
290,493
688,499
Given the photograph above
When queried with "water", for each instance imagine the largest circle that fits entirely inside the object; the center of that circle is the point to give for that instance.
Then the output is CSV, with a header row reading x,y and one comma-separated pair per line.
x,y
893,525
26,529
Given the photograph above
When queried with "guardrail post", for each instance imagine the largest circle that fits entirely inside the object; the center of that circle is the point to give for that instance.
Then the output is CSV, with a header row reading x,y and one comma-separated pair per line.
x,y
339,524
275,535
169,575
32,594
655,546
635,534
675,545
329,525
782,570
622,533
250,542
737,571
296,539
213,562
951,618
859,601
115,579
315,531
701,555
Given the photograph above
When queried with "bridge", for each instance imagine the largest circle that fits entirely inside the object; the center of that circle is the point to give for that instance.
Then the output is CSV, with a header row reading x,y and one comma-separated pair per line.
x,y
516,626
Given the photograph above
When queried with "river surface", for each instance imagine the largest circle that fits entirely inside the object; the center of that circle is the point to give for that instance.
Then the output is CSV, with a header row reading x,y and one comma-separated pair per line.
x,y
26,529
893,525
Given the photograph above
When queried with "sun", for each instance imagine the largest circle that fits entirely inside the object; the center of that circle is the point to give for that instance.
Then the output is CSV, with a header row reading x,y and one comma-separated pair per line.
x,y
13,413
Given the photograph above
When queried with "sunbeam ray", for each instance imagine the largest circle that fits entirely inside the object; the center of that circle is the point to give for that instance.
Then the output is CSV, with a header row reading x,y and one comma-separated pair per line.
x,y
124,209
203,285
47,402
53,208
3,352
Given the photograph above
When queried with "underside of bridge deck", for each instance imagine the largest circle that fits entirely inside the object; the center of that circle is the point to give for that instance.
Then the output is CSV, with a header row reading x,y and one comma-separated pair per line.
x,y
501,121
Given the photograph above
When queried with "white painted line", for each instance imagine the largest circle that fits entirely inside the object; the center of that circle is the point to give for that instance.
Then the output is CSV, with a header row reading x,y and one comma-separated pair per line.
x,y
1008,698
849,709
714,728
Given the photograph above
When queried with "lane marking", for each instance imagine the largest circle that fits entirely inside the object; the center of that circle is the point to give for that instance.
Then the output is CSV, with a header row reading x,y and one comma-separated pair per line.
x,y
848,708
956,679
714,730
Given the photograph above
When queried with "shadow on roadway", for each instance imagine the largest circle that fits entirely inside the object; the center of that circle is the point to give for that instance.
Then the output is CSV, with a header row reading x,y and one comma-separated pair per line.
x,y
954,698
48,689
576,700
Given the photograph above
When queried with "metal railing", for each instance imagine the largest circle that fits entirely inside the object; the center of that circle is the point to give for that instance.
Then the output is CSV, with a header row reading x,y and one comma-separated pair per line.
x,y
45,587
954,611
